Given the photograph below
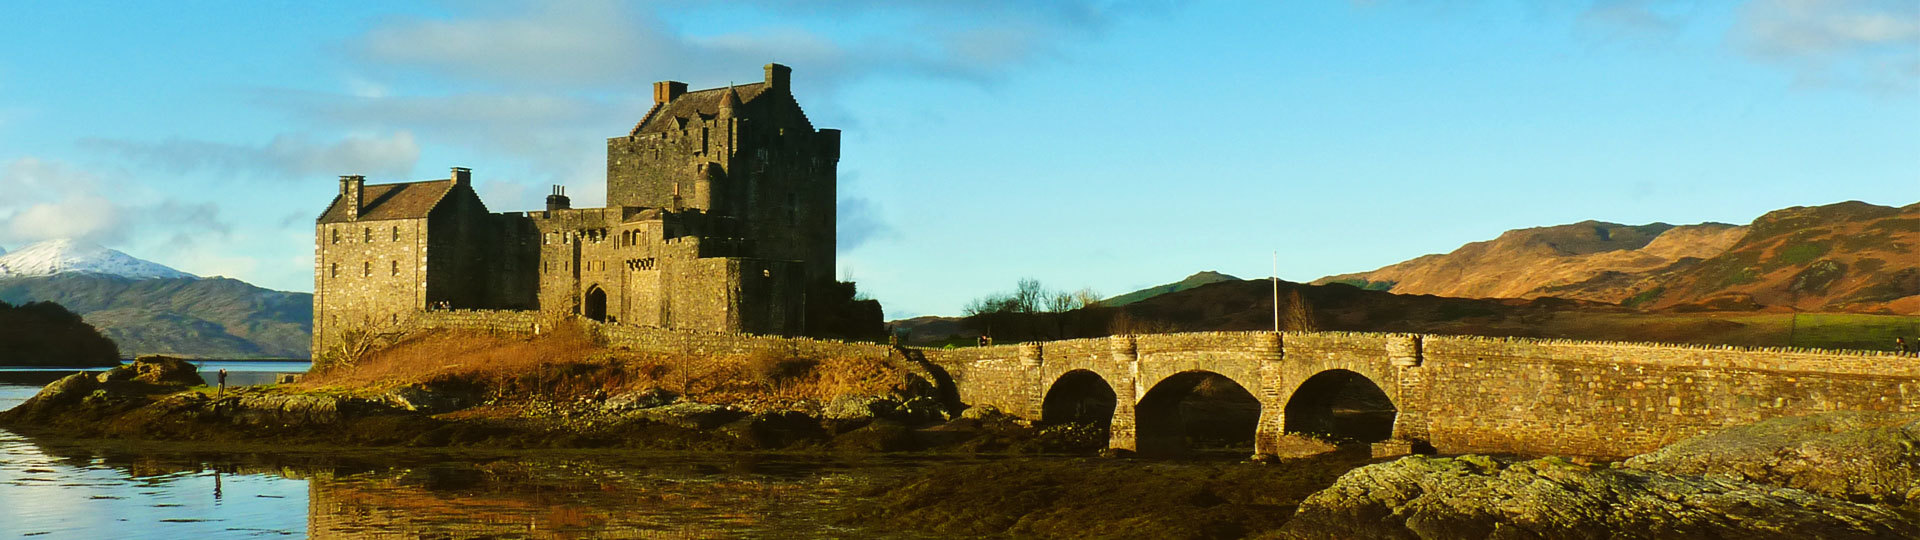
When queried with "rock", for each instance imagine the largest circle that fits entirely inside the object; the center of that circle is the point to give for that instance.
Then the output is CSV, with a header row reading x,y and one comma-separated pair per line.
x,y
1482,497
922,410
290,409
981,412
852,407
1858,456
631,401
690,415
155,370
427,400
55,396
779,429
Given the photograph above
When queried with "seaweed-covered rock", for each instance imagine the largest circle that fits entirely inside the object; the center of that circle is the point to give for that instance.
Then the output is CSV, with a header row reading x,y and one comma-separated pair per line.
x,y
1480,497
1858,456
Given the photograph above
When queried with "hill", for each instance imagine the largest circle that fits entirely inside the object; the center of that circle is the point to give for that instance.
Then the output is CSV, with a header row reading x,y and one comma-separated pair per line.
x,y
1195,280
1850,256
45,334
212,317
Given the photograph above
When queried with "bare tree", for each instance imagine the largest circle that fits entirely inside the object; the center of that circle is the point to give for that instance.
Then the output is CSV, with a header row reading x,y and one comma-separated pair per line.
x,y
1299,314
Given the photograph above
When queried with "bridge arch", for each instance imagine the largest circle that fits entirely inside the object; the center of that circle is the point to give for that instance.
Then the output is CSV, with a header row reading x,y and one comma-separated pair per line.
x,y
1196,409
1342,405
1079,397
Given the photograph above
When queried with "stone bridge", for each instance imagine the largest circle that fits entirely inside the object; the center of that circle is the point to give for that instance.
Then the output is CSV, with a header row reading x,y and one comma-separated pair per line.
x,y
1452,394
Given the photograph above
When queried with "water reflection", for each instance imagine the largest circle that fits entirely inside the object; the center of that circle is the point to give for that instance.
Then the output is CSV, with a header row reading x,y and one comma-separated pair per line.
x,y
99,490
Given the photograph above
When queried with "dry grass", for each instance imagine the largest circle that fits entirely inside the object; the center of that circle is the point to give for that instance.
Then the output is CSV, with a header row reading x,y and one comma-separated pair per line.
x,y
569,364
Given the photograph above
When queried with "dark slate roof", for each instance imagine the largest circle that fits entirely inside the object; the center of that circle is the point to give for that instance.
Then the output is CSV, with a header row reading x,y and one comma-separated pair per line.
x,y
405,200
691,104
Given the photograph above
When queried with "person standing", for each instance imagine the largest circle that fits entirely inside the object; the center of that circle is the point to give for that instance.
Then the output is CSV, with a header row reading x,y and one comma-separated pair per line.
x,y
223,381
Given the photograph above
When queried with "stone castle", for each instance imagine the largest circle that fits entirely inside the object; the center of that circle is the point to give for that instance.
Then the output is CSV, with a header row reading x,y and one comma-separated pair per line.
x,y
719,217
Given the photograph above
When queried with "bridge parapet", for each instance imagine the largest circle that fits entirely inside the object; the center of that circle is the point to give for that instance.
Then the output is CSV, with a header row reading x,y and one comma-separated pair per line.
x,y
1783,359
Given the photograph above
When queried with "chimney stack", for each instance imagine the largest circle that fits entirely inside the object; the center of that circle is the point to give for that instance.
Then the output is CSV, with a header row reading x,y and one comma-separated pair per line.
x,y
665,91
351,187
778,76
558,200
462,176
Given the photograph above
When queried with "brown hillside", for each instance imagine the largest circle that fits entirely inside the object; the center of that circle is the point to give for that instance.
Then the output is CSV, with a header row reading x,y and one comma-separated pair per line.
x,y
1849,256
1528,263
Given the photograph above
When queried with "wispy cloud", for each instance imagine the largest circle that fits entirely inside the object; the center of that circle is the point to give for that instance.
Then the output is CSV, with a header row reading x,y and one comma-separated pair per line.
x,y
1871,42
287,156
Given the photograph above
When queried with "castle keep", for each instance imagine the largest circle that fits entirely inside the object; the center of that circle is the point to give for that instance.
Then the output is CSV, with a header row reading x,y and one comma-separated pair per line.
x,y
719,217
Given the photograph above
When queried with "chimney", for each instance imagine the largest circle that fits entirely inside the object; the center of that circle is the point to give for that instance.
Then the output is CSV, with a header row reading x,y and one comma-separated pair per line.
x,y
558,200
665,91
351,187
462,176
778,76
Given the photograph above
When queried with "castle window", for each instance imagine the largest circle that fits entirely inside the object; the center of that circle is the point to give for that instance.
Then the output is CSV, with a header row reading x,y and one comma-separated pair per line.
x,y
366,269
396,233
396,268
336,235
333,270
368,237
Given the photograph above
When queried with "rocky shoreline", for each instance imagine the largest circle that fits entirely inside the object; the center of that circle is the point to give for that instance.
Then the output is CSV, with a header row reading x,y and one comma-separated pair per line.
x,y
1837,475
158,398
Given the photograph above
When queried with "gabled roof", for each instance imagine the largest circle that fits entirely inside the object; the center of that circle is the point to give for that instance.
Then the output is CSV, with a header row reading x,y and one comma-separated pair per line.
x,y
692,104
406,200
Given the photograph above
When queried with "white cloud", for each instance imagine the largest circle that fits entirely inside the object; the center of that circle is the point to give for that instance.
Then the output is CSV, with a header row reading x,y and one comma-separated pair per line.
x,y
50,199
288,156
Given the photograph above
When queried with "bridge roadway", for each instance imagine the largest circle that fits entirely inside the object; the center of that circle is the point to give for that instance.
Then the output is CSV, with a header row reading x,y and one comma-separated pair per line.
x,y
1448,393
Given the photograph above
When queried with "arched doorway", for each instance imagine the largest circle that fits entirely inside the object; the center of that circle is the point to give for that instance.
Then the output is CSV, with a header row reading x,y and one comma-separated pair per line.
x,y
594,306
1196,411
1342,406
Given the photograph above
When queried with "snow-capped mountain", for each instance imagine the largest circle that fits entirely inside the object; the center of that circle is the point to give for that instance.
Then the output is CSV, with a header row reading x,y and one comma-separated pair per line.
x,y
66,256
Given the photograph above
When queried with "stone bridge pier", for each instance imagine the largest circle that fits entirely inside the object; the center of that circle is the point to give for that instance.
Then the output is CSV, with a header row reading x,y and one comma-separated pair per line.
x,y
1162,392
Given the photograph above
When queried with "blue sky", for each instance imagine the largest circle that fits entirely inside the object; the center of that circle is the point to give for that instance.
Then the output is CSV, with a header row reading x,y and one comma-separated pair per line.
x,y
1111,145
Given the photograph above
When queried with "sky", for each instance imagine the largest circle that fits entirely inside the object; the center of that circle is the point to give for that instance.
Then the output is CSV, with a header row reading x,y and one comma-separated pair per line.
x,y
1105,144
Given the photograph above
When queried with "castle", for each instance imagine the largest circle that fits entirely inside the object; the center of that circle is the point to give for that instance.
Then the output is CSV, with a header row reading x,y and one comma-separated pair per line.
x,y
720,217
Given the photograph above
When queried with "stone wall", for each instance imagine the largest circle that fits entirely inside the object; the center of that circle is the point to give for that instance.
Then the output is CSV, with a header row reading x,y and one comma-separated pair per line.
x,y
367,274
647,339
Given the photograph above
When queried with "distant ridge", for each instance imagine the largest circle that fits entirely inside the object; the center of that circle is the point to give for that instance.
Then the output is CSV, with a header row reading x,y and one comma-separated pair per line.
x,y
1205,277
149,308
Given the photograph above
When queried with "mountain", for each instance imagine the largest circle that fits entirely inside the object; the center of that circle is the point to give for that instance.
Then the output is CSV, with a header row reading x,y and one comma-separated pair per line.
x,y
1849,256
148,308
65,256
1196,280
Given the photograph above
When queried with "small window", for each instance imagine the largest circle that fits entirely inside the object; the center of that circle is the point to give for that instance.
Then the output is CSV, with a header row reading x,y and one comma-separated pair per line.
x,y
368,236
396,268
396,233
336,235
333,270
366,269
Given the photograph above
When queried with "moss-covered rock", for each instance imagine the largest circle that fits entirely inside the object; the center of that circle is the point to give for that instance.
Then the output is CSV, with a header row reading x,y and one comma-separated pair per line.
x,y
1857,456
1481,497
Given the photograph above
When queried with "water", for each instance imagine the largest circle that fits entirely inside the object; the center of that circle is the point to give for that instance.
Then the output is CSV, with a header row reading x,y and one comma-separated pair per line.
x,y
119,489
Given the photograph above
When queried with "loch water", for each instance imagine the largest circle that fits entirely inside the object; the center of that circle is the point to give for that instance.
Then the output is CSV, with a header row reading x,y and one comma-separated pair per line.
x,y
119,489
